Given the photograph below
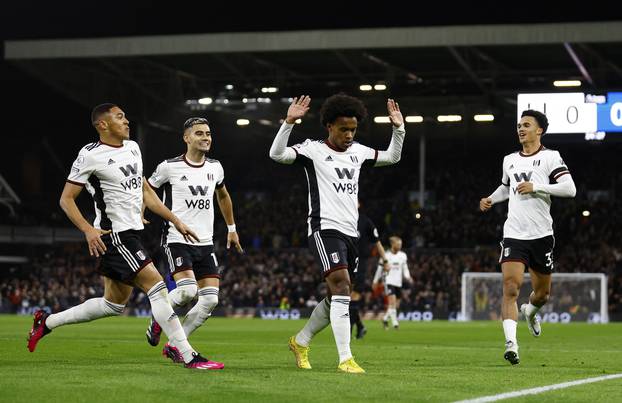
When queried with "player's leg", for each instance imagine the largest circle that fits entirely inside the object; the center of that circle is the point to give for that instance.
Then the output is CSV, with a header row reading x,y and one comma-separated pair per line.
x,y
179,262
184,293
541,283
208,274
392,309
388,292
356,299
540,271
116,295
299,344
513,273
150,281
396,323
202,310
320,317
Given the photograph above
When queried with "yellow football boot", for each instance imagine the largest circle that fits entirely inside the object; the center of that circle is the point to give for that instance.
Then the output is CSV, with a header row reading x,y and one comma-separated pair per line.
x,y
350,366
301,353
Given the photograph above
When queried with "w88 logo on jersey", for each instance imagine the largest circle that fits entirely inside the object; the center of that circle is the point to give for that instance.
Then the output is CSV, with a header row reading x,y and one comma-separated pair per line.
x,y
201,204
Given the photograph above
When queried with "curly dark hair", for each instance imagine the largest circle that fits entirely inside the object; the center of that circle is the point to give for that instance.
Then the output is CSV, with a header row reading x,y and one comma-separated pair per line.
x,y
340,105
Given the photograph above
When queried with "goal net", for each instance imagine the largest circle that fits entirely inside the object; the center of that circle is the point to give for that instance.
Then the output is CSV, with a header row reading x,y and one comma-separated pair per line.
x,y
575,297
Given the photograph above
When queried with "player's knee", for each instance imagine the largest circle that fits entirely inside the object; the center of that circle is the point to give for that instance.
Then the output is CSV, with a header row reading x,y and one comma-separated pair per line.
x,y
184,294
209,302
110,308
510,289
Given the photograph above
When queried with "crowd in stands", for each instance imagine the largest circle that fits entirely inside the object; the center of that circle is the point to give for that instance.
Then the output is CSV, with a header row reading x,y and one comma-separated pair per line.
x,y
443,239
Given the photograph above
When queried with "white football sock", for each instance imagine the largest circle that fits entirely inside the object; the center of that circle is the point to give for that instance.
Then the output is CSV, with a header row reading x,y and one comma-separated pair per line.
x,y
168,320
208,299
320,318
393,316
184,293
386,315
509,329
87,311
340,322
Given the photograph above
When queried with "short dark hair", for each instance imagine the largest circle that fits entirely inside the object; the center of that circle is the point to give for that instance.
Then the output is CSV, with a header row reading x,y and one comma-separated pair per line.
x,y
540,117
195,121
340,105
100,110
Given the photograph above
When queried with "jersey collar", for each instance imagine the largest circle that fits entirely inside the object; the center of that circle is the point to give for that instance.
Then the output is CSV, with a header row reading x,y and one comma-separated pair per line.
x,y
522,154
193,165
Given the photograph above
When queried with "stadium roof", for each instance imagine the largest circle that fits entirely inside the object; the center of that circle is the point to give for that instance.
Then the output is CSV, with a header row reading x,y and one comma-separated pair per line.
x,y
432,69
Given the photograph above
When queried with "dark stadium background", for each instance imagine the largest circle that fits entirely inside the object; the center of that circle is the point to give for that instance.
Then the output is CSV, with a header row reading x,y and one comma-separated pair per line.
x,y
43,128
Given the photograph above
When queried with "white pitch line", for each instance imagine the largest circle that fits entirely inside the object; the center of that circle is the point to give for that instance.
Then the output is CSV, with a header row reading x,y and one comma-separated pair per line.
x,y
542,389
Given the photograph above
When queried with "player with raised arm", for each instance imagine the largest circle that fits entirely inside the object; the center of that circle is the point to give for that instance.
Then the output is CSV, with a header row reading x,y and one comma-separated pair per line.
x,y
332,168
392,277
189,182
530,178
111,170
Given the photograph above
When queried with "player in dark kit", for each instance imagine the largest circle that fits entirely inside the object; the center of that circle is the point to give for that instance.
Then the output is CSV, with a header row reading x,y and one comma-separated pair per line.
x,y
368,236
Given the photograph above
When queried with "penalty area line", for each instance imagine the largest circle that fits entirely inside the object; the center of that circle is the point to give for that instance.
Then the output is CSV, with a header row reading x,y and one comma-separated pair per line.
x,y
541,389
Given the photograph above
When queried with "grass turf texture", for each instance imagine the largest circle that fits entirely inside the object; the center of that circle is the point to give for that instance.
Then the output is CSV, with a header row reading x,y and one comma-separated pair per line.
x,y
109,360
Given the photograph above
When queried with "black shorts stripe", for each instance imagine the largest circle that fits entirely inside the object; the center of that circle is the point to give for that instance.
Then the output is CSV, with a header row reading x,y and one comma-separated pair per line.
x,y
321,251
125,253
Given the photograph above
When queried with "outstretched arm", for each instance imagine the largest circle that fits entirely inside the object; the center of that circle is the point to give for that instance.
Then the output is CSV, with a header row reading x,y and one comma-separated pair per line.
x,y
92,234
393,154
153,203
279,151
500,194
226,208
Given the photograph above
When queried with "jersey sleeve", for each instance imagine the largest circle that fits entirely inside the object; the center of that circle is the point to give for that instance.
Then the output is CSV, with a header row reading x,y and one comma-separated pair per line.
x,y
160,176
304,149
505,179
220,181
370,155
557,167
82,168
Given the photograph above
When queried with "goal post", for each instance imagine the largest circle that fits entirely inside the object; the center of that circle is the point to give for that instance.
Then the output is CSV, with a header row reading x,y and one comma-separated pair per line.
x,y
575,297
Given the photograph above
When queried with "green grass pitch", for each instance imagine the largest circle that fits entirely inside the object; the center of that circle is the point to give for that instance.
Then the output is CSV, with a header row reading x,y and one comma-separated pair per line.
x,y
109,361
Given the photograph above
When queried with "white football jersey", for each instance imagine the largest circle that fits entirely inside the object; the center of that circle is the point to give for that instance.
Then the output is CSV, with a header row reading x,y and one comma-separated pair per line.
x,y
398,269
189,194
333,180
529,215
113,175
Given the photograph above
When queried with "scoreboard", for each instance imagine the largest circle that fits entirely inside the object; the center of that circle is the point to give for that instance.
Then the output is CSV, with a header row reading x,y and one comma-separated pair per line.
x,y
576,112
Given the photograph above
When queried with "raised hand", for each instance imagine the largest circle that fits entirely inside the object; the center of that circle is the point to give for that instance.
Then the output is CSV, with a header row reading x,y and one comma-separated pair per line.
x,y
298,108
394,113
